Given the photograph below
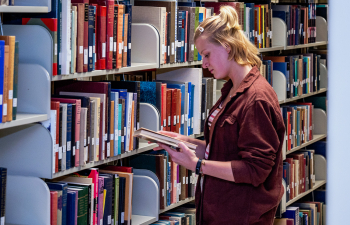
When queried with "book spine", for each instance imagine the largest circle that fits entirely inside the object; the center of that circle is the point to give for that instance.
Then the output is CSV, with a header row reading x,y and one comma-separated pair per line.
x,y
80,39
115,31
120,144
73,143
125,39
91,38
86,37
2,66
183,19
168,110
120,36
186,44
195,52
129,12
5,87
69,136
173,110
94,39
72,37
58,42
110,23
168,37
179,28
3,184
10,78
101,51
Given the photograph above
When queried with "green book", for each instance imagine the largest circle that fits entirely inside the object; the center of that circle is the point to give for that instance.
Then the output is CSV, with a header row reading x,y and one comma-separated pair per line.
x,y
82,203
116,199
196,23
15,82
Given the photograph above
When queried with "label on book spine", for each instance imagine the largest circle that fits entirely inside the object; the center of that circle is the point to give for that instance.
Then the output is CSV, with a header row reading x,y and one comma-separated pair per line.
x,y
186,117
129,45
69,145
169,120
77,144
85,56
114,46
172,48
4,110
73,150
108,149
109,219
103,50
120,47
112,137
81,49
1,100
125,49
111,44
85,153
122,216
174,120
178,119
183,180
138,125
10,94
60,153
93,141
90,51
64,148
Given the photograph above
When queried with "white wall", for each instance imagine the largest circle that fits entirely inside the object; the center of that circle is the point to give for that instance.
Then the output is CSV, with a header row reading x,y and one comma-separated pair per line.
x,y
338,145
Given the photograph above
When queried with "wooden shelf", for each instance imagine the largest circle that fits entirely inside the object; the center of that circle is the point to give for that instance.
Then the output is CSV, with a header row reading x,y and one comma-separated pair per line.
x,y
320,43
24,9
176,205
276,48
318,184
317,137
144,148
133,67
143,220
303,96
171,65
23,119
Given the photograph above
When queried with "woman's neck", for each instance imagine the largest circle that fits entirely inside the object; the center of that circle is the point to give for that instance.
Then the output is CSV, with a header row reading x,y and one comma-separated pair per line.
x,y
238,73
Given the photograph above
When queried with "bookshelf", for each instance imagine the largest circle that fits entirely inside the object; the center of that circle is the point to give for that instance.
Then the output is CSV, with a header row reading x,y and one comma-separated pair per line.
x,y
318,184
30,144
317,137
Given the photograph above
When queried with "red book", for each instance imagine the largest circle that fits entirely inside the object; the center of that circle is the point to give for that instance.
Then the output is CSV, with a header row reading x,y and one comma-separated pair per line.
x,y
55,105
173,110
110,44
86,32
77,103
53,207
101,38
168,109
163,107
124,169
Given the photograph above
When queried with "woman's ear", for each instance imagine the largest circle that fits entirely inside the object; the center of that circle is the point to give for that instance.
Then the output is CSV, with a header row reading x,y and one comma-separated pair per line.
x,y
227,48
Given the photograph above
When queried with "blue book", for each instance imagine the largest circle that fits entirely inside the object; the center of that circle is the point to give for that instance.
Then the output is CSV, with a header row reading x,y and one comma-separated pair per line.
x,y
183,36
200,19
280,14
320,196
189,108
178,38
128,10
292,213
2,58
123,95
91,29
63,187
164,222
119,128
286,178
192,106
69,135
71,207
187,4
148,92
251,21
94,57
282,67
320,148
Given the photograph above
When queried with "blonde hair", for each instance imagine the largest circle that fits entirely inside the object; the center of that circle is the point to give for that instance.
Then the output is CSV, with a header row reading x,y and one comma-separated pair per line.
x,y
224,29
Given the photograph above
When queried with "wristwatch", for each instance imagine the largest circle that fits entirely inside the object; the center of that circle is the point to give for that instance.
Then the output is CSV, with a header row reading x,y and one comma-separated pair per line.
x,y
199,166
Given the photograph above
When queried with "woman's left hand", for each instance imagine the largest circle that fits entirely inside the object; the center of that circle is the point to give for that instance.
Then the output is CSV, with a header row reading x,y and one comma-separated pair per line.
x,y
185,157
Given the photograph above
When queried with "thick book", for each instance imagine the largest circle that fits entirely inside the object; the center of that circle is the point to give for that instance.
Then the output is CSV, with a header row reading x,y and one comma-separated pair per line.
x,y
53,207
161,138
80,37
101,37
125,39
91,31
121,206
55,105
15,82
115,31
69,136
109,32
10,41
2,67
63,136
71,201
120,47
73,39
108,186
128,10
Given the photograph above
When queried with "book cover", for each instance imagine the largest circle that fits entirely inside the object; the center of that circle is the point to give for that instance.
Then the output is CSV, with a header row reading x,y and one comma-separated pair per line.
x,y
71,201
2,73
15,82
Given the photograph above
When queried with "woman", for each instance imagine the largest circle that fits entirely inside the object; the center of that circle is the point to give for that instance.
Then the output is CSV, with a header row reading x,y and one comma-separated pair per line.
x,y
240,161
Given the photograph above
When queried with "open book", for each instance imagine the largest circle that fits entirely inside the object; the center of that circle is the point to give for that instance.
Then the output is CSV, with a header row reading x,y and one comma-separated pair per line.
x,y
153,136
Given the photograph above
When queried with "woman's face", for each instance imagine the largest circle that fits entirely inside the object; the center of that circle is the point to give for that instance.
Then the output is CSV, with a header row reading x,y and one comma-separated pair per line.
x,y
215,57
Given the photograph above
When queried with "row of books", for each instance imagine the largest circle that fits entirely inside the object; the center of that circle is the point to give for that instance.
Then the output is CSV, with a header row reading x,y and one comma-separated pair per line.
x,y
88,35
7,2
3,185
300,21
176,27
298,120
176,182
9,53
302,72
303,213
299,169
255,20
98,196
185,215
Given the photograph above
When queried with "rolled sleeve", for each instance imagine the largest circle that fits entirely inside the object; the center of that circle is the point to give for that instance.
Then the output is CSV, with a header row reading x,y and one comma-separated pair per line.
x,y
258,143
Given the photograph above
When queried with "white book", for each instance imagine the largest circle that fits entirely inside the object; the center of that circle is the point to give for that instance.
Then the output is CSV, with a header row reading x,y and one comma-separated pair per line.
x,y
193,75
73,38
95,138
53,119
63,136
82,137
102,97
128,109
65,44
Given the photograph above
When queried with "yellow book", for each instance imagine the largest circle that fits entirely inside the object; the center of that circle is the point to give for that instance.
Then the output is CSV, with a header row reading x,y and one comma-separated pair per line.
x,y
10,41
104,201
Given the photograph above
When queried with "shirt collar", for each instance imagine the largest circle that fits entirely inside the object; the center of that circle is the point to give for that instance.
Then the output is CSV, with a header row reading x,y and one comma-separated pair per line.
x,y
245,84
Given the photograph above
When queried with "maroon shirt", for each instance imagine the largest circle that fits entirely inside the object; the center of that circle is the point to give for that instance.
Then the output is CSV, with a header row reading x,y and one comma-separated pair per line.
x,y
249,132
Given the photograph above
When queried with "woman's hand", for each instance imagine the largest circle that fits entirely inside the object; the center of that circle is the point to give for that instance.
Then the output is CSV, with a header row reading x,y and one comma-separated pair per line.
x,y
185,157
171,134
